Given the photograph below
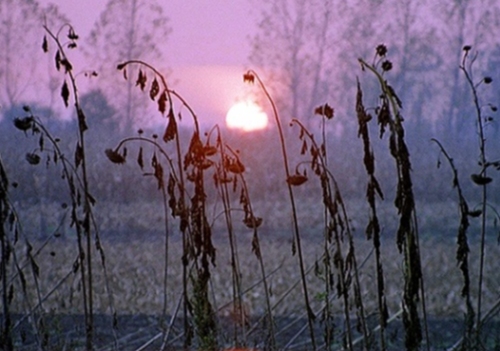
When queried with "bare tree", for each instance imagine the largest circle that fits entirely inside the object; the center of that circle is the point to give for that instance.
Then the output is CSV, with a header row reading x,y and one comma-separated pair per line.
x,y
126,30
19,36
295,45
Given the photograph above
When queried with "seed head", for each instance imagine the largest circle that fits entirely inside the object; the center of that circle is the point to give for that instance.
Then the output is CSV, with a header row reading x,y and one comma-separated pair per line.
x,y
386,65
381,50
488,80
248,77
467,48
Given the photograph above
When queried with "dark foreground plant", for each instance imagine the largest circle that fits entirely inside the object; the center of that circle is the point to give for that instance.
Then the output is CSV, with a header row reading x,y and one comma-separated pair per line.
x,y
7,220
473,318
250,77
184,180
74,173
337,238
373,230
389,116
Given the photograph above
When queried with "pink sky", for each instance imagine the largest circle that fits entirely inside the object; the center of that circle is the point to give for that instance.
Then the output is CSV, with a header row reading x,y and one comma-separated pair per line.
x,y
217,28
209,36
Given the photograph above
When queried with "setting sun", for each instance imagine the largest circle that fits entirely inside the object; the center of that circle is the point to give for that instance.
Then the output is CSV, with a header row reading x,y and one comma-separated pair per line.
x,y
247,116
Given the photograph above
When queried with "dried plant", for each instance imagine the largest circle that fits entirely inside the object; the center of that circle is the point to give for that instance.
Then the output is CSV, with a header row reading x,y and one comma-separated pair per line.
x,y
481,179
389,116
291,180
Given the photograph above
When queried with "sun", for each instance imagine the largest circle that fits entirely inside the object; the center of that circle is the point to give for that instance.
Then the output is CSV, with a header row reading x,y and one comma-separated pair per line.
x,y
247,116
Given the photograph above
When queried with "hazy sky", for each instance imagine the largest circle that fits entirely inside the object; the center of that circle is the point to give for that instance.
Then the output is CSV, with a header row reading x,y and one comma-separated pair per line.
x,y
205,32
208,36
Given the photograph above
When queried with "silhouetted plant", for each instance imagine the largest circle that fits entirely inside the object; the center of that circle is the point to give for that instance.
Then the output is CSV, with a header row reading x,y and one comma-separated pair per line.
x,y
191,169
483,180
7,223
338,232
373,190
462,254
291,180
389,116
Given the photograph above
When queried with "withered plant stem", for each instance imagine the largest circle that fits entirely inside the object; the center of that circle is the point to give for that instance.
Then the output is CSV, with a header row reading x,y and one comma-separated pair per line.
x,y
310,314
85,254
467,71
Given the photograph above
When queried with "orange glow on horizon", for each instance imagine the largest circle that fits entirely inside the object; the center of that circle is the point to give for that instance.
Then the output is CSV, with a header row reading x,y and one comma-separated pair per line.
x,y
247,116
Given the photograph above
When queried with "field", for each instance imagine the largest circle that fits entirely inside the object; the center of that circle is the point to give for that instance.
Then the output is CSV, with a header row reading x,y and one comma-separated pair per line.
x,y
135,264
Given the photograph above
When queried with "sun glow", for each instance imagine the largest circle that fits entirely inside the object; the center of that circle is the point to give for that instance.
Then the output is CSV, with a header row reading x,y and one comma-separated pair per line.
x,y
247,116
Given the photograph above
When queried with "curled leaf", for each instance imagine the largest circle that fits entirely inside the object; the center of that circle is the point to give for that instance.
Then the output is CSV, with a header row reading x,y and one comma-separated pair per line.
x,y
209,150
72,35
114,156
475,213
141,80
155,89
162,103
324,110
171,130
23,123
236,167
296,179
206,164
480,180
32,158
252,222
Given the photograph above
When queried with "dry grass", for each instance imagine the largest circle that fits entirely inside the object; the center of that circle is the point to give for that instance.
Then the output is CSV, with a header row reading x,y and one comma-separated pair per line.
x,y
136,276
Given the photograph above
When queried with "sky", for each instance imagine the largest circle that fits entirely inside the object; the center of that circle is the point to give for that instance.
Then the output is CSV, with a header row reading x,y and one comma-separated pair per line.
x,y
209,36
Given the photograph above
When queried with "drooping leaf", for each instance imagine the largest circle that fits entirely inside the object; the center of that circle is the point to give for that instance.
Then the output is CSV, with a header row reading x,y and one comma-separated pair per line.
x,y
67,65
114,156
296,179
72,35
58,60
141,80
475,213
65,93
171,130
41,142
252,222
209,150
82,124
480,180
45,44
236,167
140,160
78,155
158,172
162,103
155,89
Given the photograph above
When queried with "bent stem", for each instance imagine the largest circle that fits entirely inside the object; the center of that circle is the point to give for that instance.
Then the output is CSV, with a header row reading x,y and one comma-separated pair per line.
x,y
250,77
482,162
